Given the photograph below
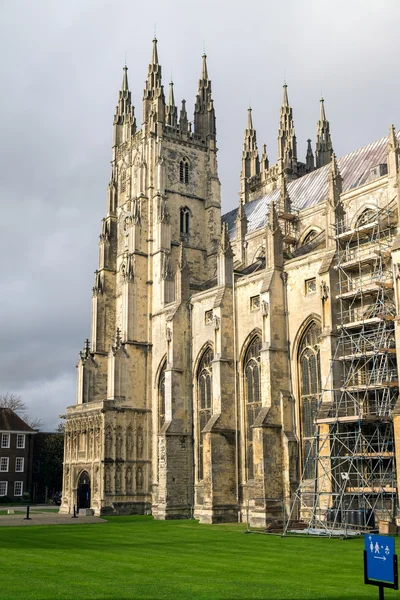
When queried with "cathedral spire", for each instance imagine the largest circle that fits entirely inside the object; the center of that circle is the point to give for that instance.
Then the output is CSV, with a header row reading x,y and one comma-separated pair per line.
x,y
204,72
287,146
154,56
124,117
250,157
323,148
153,95
171,111
285,101
125,86
204,112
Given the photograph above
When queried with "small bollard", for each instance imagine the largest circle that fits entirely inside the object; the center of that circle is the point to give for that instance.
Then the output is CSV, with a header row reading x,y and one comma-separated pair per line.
x,y
27,518
74,515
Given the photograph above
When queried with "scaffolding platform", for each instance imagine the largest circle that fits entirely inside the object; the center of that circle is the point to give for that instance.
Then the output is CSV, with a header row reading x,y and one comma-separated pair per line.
x,y
349,474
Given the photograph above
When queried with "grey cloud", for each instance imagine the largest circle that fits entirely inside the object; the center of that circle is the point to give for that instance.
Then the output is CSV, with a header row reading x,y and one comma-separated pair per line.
x,y
61,71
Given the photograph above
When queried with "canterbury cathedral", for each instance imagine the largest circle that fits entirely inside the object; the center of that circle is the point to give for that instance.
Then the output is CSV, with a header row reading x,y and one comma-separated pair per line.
x,y
236,360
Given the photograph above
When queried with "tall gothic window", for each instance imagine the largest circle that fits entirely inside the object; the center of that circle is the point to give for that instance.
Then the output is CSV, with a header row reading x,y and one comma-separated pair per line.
x,y
184,221
310,392
184,171
161,397
204,403
252,390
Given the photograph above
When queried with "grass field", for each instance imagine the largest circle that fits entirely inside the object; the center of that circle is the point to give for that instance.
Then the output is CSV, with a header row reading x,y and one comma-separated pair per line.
x,y
137,557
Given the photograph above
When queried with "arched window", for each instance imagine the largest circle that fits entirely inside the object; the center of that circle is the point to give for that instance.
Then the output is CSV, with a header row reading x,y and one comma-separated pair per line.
x,y
161,397
184,221
252,390
367,216
204,402
310,391
184,171
309,237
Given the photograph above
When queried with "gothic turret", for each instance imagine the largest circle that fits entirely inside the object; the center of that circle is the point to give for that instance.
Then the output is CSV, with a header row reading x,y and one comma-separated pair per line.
x,y
153,95
287,146
171,111
124,118
204,113
323,149
250,158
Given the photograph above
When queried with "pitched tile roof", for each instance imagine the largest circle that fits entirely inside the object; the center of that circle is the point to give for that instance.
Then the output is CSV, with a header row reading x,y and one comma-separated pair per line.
x,y
10,421
313,188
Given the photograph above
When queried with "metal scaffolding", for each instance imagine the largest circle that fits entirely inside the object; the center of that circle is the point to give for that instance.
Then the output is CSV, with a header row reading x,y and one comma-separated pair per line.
x,y
349,475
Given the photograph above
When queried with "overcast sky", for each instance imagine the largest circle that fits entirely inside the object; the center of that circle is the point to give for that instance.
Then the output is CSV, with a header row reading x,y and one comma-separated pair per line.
x,y
61,66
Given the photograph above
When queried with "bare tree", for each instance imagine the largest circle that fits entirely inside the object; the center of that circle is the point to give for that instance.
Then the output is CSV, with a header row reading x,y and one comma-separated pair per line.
x,y
18,405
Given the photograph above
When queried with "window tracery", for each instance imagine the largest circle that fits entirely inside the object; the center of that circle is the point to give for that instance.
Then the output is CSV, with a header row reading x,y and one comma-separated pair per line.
x,y
184,171
204,402
310,390
161,397
252,389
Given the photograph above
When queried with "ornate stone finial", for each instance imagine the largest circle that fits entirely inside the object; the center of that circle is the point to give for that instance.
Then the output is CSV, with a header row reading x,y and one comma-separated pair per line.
x,y
182,264
86,350
264,159
204,113
323,146
204,72
309,157
118,340
273,221
98,283
285,204
154,54
334,170
225,244
183,118
241,212
393,144
324,291
285,101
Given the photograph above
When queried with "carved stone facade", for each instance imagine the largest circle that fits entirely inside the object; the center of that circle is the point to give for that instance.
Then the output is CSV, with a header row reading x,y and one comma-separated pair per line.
x,y
156,427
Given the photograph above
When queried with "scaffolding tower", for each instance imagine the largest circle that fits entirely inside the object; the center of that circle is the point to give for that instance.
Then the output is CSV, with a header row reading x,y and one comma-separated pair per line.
x,y
349,475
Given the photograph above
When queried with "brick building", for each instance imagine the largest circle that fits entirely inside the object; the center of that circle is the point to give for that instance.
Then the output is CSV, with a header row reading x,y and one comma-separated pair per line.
x,y
16,452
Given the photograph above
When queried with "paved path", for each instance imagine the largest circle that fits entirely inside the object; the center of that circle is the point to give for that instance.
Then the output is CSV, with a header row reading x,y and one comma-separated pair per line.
x,y
46,519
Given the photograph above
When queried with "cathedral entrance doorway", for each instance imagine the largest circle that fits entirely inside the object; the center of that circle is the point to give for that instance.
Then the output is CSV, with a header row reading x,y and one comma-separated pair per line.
x,y
83,492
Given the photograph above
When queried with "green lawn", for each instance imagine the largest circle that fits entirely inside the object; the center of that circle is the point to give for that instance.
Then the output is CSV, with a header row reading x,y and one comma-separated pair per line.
x,y
137,557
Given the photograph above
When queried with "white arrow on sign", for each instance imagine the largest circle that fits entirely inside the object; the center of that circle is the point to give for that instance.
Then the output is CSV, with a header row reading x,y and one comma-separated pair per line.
x,y
380,557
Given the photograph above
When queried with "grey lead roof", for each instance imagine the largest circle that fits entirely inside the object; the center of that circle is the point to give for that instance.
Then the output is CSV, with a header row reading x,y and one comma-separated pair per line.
x,y
313,188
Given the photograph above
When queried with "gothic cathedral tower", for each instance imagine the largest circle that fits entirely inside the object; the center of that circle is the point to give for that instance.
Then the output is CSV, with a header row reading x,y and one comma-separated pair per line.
x,y
129,444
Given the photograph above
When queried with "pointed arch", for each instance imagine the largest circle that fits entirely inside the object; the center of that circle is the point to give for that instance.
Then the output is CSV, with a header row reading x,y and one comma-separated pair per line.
x,y
250,361
309,235
367,213
184,165
161,393
204,401
309,387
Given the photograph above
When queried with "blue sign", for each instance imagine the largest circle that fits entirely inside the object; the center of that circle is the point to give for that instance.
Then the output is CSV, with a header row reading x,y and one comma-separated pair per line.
x,y
380,557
